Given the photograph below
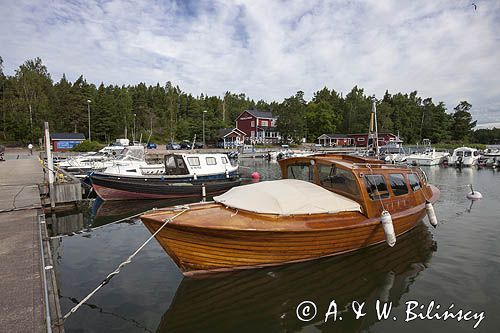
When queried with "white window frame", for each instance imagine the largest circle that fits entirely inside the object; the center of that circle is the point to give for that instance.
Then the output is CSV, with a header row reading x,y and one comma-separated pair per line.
x,y
212,159
361,139
252,123
192,159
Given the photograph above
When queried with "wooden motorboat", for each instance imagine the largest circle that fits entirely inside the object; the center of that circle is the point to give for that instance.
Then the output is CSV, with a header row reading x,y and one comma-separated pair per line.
x,y
221,303
325,205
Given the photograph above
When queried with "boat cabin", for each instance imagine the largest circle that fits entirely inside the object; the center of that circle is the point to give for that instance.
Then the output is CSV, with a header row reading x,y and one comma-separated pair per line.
x,y
198,165
374,185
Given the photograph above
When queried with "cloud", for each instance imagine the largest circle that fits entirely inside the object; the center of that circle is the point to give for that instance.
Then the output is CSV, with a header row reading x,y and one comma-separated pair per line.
x,y
268,49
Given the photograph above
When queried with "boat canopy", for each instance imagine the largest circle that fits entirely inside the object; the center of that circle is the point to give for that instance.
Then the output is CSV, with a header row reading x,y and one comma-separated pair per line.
x,y
286,197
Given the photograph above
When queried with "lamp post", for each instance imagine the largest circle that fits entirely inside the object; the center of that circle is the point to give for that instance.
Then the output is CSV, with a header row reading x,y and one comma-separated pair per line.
x,y
204,111
88,111
133,133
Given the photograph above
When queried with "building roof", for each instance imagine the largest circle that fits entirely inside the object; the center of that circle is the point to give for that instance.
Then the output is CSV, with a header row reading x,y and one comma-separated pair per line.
x,y
334,136
223,132
260,114
67,136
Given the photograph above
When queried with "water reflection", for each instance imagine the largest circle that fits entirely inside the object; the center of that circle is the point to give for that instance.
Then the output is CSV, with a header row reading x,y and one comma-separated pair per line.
x,y
266,300
105,212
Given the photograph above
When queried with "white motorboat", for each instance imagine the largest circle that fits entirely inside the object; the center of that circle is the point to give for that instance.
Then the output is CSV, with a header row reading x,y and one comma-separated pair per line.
x,y
196,166
81,165
395,158
427,158
465,156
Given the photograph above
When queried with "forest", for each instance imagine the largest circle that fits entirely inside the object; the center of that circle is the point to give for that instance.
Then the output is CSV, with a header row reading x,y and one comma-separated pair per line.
x,y
165,113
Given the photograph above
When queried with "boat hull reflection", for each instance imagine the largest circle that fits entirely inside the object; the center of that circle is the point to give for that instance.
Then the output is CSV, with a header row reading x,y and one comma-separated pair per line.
x,y
265,300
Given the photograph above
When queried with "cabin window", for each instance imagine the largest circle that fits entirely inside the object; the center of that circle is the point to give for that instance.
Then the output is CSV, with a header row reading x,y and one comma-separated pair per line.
x,y
460,153
414,182
211,161
376,187
337,179
476,153
224,160
193,161
467,154
398,184
300,172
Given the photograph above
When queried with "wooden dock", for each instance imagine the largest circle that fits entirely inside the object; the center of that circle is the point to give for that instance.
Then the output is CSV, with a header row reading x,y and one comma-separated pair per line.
x,y
28,293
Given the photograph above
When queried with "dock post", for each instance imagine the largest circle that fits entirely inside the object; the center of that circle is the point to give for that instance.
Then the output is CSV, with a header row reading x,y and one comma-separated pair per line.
x,y
50,165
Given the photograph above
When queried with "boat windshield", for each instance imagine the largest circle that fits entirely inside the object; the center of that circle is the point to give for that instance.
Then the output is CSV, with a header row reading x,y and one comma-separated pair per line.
x,y
467,154
460,153
301,171
337,179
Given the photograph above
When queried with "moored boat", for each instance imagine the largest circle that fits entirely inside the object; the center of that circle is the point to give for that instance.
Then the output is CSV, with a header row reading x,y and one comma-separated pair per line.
x,y
182,176
325,205
464,156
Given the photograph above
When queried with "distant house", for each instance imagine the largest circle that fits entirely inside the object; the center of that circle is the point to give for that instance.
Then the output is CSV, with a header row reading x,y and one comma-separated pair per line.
x,y
258,126
231,138
361,139
356,139
65,141
335,140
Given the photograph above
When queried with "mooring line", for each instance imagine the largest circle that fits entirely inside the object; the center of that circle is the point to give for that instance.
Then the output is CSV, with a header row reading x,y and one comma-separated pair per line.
x,y
117,270
103,311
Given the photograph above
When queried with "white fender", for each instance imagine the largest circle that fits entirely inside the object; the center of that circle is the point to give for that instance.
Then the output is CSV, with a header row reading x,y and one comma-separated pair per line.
x,y
390,235
203,191
431,214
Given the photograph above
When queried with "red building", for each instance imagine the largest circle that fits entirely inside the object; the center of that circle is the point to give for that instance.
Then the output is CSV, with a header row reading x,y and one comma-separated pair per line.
x,y
231,138
357,139
361,139
258,126
335,140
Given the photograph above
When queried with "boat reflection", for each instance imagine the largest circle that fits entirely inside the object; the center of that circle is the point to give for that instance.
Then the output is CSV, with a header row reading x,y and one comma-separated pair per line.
x,y
265,300
105,212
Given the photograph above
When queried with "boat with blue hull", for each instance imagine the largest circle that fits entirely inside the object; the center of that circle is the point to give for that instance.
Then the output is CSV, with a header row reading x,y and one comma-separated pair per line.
x,y
185,175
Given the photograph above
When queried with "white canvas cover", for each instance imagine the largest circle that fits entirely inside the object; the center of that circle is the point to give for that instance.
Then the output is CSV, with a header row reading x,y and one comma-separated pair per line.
x,y
286,197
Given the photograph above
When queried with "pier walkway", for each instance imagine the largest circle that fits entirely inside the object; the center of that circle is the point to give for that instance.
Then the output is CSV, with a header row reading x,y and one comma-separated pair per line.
x,y
22,301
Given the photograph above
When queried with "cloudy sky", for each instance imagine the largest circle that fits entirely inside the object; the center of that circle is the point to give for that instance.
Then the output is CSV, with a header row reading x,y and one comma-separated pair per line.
x,y
446,50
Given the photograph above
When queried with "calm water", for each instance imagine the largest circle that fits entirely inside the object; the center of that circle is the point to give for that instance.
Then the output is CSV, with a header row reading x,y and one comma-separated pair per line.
x,y
458,262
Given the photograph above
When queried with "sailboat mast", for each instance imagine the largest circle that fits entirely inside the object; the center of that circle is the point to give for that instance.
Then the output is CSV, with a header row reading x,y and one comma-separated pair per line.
x,y
374,110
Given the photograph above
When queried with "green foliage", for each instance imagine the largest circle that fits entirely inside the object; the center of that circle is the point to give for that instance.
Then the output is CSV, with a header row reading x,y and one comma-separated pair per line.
x,y
487,136
291,122
462,122
86,146
166,113
451,146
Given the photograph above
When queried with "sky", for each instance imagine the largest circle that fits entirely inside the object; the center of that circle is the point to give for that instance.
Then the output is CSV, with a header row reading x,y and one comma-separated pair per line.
x,y
447,50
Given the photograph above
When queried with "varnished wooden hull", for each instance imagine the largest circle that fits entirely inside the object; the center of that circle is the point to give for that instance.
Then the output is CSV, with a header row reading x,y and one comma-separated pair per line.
x,y
221,303
211,238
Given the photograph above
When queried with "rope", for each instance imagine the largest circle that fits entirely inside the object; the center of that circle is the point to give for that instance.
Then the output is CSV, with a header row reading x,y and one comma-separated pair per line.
x,y
117,270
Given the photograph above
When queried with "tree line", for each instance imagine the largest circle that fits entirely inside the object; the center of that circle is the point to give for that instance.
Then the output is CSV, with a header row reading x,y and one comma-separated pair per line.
x,y
165,113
